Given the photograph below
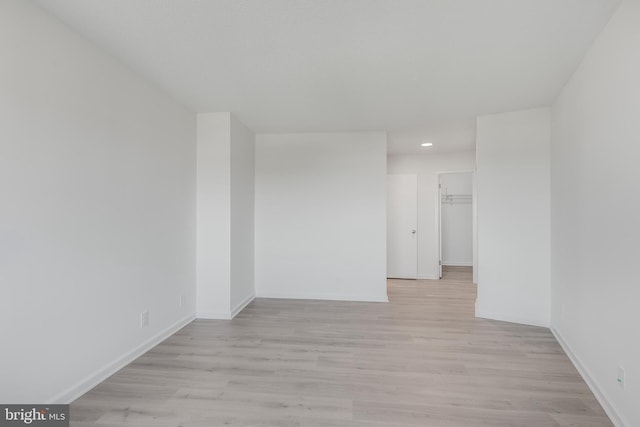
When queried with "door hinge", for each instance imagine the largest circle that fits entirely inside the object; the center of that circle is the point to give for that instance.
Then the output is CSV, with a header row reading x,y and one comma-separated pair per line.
x,y
440,262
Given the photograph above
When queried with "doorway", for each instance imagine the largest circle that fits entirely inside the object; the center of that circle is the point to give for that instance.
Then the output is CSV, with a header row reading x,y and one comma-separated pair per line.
x,y
456,222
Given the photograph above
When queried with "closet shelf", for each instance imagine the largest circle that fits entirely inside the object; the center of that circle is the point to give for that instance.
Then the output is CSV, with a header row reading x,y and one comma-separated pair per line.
x,y
456,199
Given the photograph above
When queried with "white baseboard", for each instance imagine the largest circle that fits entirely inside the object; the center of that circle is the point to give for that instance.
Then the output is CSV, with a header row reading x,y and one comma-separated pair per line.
x,y
510,318
330,297
225,315
80,388
245,302
213,315
616,419
456,264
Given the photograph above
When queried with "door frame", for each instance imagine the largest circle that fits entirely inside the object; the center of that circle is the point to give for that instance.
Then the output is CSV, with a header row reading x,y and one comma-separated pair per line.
x,y
474,201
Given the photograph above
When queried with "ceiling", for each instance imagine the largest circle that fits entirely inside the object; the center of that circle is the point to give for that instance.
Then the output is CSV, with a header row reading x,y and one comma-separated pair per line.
x,y
406,66
444,137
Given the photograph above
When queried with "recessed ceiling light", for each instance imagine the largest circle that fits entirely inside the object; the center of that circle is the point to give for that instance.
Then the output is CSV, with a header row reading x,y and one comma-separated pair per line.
x,y
427,144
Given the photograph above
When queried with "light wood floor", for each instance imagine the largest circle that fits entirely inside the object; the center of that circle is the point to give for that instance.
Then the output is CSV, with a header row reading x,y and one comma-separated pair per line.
x,y
421,360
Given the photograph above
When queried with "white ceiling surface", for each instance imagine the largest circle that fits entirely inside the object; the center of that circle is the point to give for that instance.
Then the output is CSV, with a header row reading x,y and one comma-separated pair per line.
x,y
346,65
445,138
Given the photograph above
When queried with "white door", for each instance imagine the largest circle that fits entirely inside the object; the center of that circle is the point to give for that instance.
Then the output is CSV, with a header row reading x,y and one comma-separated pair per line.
x,y
402,226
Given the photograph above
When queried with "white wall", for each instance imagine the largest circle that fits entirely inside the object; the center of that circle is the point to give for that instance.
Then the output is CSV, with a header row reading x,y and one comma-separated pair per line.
x,y
427,167
225,241
242,215
595,201
214,216
97,215
457,220
513,217
321,216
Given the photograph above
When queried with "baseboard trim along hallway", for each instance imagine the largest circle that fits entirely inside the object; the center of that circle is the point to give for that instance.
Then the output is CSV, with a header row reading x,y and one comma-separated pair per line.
x,y
106,371
591,382
326,297
245,302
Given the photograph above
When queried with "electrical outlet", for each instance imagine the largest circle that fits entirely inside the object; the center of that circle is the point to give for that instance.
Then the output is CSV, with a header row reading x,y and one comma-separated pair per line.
x,y
621,377
144,319
182,300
